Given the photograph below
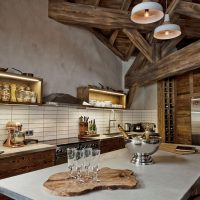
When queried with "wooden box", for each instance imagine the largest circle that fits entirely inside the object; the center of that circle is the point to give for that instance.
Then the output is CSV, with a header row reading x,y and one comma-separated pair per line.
x,y
35,84
87,94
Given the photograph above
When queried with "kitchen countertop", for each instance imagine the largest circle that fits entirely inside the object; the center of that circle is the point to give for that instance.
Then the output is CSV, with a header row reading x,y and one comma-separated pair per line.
x,y
171,177
30,148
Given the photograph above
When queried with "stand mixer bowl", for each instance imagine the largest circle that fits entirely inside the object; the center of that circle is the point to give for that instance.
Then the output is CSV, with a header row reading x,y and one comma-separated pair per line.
x,y
142,149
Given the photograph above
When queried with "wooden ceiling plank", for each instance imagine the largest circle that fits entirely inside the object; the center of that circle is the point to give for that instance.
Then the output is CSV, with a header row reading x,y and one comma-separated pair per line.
x,y
97,3
179,62
140,43
169,45
105,41
130,51
172,6
113,37
126,4
91,16
189,9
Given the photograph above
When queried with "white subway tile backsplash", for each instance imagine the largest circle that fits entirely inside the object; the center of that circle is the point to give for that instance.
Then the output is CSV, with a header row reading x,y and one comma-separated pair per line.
x,y
62,122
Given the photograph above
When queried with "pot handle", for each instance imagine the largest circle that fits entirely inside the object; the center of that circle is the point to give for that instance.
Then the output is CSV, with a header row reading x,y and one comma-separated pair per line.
x,y
18,70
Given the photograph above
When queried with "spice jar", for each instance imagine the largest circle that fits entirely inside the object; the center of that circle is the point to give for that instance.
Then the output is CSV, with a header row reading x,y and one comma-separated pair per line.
x,y
20,94
13,92
1,90
6,92
33,97
27,95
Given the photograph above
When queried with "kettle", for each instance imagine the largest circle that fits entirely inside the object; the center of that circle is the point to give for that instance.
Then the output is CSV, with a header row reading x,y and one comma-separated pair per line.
x,y
127,127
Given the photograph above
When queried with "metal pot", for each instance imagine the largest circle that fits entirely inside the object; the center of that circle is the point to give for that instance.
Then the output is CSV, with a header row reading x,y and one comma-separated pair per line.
x,y
24,74
3,69
18,137
127,127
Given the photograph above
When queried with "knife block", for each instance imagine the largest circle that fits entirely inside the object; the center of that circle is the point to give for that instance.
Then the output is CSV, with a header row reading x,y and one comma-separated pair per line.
x,y
83,128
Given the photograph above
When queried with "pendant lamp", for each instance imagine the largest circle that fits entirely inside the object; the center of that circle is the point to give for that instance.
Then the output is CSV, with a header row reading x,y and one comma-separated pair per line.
x,y
167,30
147,12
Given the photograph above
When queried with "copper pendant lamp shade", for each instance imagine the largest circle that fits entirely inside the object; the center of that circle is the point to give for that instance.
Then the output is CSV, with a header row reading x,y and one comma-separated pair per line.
x,y
147,12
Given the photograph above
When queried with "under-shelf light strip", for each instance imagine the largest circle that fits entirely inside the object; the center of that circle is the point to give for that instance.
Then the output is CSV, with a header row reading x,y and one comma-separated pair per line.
x,y
107,92
19,78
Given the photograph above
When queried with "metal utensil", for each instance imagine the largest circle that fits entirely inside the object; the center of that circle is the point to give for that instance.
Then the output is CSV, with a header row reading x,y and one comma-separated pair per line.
x,y
24,74
3,69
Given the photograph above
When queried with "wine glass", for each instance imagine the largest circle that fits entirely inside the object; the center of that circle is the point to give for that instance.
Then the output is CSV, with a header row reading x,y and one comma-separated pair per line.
x,y
79,162
71,160
87,159
95,163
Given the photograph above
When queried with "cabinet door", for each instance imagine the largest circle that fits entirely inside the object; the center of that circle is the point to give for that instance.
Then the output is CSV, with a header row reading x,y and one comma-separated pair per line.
x,y
111,144
16,165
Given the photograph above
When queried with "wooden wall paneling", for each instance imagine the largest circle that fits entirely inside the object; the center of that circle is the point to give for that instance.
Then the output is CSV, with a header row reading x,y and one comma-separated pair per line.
x,y
183,127
196,82
161,110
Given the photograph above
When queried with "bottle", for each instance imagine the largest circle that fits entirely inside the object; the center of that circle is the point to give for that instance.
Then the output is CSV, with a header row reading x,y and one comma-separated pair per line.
x,y
125,135
94,127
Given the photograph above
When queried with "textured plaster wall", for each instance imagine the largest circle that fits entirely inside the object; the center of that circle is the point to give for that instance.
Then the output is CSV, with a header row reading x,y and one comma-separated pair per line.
x,y
145,97
65,56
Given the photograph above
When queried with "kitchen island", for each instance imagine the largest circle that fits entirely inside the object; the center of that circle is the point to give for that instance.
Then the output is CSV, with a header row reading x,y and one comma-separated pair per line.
x,y
170,178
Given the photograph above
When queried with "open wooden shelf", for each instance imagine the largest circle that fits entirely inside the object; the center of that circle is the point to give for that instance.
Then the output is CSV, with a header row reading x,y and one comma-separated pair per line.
x,y
35,84
87,94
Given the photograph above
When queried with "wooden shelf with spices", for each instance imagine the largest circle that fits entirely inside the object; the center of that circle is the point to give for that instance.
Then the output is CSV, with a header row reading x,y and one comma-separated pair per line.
x,y
20,89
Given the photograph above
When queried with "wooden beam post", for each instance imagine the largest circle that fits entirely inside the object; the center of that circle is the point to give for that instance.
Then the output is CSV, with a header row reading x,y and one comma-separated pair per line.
x,y
139,42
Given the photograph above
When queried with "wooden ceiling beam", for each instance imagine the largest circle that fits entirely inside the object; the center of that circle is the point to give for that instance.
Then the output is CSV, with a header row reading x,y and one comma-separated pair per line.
x,y
130,51
105,41
181,61
113,37
168,46
126,4
172,6
97,2
91,16
188,9
190,27
140,43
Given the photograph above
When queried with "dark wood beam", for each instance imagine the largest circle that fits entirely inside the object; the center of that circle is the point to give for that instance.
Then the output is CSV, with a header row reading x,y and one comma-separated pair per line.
x,y
172,6
188,9
91,16
190,27
130,51
139,42
181,61
113,37
126,4
168,46
105,41
97,2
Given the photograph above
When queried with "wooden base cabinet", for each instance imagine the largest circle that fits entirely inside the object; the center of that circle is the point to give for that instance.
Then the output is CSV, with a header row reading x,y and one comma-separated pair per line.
x,y
111,144
15,165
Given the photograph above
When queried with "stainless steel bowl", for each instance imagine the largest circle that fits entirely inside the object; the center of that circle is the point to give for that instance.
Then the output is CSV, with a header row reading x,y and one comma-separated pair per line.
x,y
142,149
18,137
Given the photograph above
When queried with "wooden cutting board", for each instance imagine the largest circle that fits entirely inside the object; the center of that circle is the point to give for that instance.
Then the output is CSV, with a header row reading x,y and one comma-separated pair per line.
x,y
172,149
57,184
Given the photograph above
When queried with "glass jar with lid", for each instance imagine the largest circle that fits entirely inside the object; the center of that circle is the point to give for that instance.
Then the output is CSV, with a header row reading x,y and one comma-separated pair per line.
x,y
27,95
20,93
6,92
1,90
